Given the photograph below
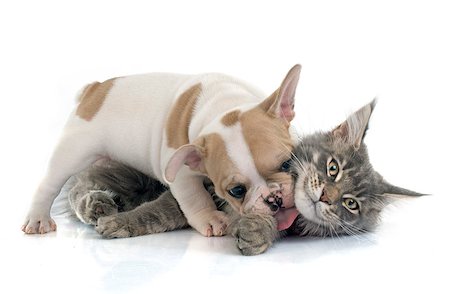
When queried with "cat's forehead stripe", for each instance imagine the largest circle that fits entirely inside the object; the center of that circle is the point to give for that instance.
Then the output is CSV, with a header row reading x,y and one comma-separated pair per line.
x,y
316,157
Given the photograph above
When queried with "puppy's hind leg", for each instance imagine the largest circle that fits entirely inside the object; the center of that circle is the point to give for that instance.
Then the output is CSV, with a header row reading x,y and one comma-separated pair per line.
x,y
75,152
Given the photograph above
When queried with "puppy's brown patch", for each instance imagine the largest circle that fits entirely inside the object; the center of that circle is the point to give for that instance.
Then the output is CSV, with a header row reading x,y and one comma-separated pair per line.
x,y
268,138
270,105
230,118
220,168
92,98
180,117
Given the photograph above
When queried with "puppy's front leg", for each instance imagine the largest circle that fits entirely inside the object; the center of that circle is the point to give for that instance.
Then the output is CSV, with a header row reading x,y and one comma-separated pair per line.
x,y
197,204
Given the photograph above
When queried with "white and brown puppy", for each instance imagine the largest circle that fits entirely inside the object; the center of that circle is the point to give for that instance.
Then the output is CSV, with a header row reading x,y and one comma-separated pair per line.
x,y
178,129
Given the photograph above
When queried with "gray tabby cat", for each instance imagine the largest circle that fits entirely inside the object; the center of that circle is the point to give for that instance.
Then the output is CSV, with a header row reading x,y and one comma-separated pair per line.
x,y
337,192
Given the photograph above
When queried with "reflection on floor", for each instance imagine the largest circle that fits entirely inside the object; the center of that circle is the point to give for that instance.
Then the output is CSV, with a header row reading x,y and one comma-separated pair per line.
x,y
404,254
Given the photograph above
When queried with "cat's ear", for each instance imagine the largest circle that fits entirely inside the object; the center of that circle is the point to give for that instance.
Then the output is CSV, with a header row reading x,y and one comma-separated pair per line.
x,y
354,128
191,155
392,192
281,103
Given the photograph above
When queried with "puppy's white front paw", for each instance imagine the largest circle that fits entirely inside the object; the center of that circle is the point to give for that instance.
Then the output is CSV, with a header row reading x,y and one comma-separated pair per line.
x,y
38,224
210,223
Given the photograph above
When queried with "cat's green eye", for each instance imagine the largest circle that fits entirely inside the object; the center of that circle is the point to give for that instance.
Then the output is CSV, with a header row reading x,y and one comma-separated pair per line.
x,y
351,204
333,168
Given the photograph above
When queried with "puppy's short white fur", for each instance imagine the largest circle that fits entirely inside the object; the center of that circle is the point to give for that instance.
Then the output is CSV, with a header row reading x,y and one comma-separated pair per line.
x,y
178,129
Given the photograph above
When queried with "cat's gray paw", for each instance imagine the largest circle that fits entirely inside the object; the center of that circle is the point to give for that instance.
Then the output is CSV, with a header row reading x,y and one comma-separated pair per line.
x,y
114,226
254,233
95,205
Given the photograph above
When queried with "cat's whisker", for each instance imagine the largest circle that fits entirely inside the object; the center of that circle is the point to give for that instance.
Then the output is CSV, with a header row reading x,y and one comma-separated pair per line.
x,y
333,229
317,230
348,230
330,230
305,153
352,227
293,155
300,166
359,233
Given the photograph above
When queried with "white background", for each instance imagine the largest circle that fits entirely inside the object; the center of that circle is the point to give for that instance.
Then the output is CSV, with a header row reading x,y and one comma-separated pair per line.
x,y
351,51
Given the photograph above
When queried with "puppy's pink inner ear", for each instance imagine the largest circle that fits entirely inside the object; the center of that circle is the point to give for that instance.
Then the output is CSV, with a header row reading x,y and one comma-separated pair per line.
x,y
193,160
287,93
287,110
190,155
281,103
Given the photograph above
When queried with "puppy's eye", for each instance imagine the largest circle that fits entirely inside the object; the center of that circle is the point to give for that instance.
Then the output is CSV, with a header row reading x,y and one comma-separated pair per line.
x,y
351,204
333,168
238,191
285,166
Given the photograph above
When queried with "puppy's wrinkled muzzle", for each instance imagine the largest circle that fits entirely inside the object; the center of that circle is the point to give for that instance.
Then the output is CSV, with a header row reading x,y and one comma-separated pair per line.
x,y
275,200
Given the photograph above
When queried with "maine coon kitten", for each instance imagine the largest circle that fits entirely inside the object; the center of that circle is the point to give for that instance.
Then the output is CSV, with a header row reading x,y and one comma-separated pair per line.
x,y
336,192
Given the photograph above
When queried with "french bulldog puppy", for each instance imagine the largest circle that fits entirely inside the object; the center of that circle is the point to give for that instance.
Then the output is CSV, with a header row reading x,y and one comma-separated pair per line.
x,y
179,129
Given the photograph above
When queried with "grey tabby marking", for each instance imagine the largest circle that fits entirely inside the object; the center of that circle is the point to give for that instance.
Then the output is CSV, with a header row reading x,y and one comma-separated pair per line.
x,y
98,187
89,200
123,202
337,192
160,215
254,233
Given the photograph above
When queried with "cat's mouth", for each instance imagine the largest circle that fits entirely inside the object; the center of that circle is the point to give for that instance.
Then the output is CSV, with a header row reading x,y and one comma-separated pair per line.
x,y
308,203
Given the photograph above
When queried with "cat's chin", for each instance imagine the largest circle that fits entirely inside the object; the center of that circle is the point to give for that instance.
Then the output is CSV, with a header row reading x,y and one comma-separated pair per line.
x,y
308,208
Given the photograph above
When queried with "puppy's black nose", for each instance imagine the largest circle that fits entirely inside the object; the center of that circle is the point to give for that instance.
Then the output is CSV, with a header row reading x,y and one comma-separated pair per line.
x,y
274,202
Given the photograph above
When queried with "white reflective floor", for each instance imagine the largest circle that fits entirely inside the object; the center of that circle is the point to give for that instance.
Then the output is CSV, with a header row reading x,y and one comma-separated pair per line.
x,y
405,255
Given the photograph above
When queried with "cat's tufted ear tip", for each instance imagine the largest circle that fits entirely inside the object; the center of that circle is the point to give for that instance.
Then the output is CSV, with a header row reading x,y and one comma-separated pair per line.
x,y
393,191
373,103
353,129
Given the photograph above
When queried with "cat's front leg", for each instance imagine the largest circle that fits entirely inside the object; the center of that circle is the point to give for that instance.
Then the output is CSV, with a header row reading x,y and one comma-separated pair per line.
x,y
254,233
197,204
160,215
94,205
121,225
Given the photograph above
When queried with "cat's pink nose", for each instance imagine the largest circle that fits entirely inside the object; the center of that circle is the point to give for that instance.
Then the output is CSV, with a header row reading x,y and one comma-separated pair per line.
x,y
324,197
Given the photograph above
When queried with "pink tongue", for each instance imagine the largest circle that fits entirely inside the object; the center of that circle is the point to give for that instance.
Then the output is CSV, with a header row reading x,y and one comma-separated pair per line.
x,y
286,217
